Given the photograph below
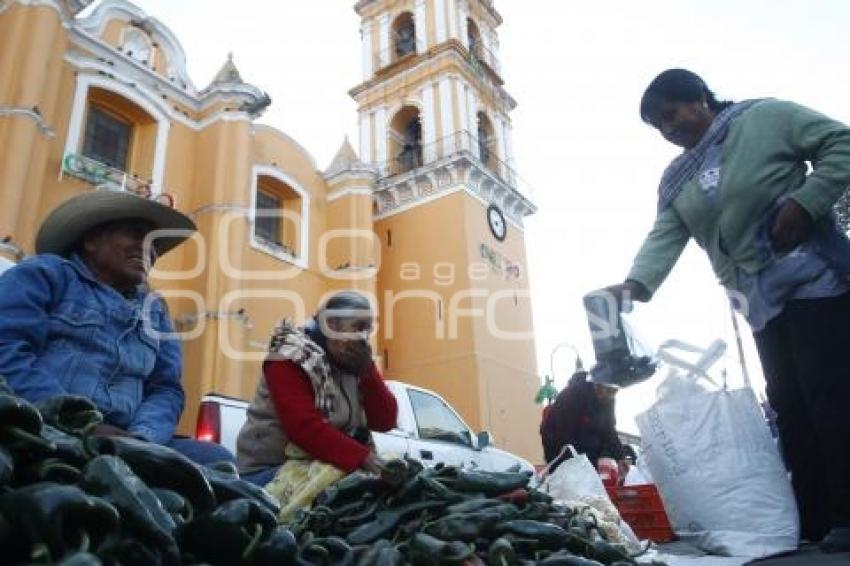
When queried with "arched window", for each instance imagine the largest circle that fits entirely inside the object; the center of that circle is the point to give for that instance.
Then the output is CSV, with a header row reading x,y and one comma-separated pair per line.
x,y
278,216
404,35
486,142
405,140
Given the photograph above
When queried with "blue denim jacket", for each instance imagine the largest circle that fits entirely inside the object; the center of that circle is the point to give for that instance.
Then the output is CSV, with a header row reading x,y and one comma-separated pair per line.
x,y
61,331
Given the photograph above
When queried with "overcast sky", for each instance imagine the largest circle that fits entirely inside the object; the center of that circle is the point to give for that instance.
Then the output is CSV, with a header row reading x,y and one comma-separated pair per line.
x,y
577,69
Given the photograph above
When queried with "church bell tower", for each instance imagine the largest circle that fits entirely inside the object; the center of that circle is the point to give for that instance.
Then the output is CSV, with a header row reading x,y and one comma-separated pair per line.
x,y
448,208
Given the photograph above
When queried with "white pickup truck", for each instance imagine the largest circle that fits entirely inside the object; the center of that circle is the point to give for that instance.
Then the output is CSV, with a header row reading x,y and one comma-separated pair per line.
x,y
428,429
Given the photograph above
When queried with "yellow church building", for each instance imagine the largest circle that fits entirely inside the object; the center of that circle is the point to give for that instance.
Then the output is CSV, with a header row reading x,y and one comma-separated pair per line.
x,y
426,216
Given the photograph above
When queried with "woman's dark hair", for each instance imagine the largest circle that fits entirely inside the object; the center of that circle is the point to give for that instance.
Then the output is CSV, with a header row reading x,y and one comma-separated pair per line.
x,y
346,303
677,85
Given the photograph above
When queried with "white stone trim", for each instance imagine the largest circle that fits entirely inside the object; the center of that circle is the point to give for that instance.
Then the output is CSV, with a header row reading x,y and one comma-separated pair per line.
x,y
365,138
421,23
175,56
381,133
384,39
499,127
366,48
463,24
446,110
74,140
452,10
471,107
461,97
429,127
459,187
304,231
350,191
40,123
96,67
440,20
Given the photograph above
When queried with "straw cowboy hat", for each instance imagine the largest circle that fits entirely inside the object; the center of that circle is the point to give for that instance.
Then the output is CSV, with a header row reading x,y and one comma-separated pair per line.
x,y
63,228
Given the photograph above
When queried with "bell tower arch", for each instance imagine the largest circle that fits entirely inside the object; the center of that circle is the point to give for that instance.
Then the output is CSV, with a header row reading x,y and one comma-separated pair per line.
x,y
448,207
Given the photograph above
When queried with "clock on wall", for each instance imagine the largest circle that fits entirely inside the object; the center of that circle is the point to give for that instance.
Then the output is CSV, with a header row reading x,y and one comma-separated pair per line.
x,y
496,221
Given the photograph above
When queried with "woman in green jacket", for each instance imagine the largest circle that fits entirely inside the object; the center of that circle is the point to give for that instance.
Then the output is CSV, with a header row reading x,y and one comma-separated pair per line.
x,y
755,187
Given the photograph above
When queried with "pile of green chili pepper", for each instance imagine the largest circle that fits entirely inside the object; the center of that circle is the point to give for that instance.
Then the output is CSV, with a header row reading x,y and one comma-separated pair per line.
x,y
448,515
73,499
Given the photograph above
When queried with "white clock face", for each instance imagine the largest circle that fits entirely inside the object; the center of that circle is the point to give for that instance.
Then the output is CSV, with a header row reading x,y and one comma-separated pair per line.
x,y
496,220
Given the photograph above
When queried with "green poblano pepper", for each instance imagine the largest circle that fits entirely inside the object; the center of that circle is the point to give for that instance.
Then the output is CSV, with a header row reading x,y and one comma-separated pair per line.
x,y
160,466
47,521
228,535
142,514
69,413
227,487
279,549
20,424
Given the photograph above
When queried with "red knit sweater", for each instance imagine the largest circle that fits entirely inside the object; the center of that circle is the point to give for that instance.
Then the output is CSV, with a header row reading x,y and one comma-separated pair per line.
x,y
304,425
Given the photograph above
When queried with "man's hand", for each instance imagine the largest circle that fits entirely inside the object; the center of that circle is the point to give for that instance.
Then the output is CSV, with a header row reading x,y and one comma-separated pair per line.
x,y
373,465
109,430
791,227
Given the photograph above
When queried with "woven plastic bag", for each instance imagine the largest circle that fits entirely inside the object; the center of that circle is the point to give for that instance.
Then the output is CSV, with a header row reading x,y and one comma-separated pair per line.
x,y
714,462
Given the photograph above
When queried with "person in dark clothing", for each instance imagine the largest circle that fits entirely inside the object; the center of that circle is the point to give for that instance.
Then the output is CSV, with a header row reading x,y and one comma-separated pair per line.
x,y
582,415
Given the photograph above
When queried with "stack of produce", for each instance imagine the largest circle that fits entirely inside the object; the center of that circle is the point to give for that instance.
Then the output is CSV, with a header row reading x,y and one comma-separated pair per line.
x,y
70,498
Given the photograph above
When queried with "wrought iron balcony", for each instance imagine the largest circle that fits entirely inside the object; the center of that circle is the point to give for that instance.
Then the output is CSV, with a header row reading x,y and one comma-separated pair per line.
x,y
103,176
418,172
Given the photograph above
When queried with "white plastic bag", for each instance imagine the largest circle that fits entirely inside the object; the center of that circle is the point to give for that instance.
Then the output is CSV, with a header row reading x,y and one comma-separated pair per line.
x,y
577,483
716,467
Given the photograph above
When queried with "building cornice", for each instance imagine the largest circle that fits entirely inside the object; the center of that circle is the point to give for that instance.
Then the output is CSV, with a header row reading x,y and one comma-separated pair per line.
x,y
451,53
458,172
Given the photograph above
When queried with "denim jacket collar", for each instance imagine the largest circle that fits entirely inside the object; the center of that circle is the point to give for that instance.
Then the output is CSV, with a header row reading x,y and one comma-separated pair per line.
x,y
85,271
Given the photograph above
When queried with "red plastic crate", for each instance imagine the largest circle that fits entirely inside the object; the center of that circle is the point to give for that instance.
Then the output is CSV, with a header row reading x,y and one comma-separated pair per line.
x,y
641,507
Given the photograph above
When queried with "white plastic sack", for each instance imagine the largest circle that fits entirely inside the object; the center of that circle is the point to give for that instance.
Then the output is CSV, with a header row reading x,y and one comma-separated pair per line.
x,y
716,467
577,480
577,483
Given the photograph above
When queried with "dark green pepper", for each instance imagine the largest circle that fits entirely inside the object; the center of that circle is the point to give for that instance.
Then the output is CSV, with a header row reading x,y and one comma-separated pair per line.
x,y
490,483
49,521
81,559
279,549
607,553
175,505
160,466
463,526
142,513
229,535
352,487
227,487
550,536
121,551
473,505
387,521
426,550
566,559
337,551
7,466
501,553
20,424
69,413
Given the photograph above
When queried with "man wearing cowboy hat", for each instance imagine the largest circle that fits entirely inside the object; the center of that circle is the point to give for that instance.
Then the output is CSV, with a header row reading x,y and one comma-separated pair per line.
x,y
78,318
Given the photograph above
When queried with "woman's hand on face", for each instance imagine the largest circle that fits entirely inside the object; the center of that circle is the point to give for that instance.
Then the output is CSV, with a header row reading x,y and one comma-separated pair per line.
x,y
361,356
791,227
373,465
